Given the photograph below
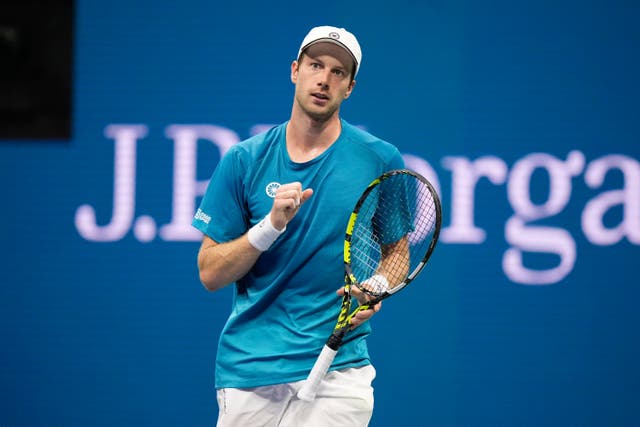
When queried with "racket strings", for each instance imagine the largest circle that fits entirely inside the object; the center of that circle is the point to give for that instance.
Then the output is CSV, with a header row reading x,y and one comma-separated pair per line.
x,y
393,231
367,257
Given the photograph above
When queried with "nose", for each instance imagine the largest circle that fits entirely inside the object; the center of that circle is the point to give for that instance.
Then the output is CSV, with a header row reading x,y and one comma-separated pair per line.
x,y
323,81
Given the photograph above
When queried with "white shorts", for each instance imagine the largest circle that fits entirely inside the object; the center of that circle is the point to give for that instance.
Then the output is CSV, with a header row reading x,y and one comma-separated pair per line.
x,y
344,399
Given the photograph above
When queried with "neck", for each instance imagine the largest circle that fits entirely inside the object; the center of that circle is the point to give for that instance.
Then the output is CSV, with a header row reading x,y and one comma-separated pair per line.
x,y
308,138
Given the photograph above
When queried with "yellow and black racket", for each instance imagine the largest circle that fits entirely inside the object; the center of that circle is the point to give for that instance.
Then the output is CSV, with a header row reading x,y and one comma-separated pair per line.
x,y
390,236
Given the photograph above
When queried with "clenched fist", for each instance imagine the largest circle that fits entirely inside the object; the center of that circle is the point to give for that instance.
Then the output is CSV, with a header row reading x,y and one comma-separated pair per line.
x,y
289,198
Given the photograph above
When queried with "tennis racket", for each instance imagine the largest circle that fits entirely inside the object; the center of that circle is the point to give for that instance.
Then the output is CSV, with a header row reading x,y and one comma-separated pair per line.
x,y
390,236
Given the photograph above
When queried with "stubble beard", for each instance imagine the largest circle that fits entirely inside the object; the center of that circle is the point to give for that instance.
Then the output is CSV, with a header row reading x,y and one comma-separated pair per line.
x,y
318,116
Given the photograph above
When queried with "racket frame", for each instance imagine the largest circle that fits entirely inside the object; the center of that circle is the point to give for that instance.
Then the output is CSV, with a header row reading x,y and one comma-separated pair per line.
x,y
323,363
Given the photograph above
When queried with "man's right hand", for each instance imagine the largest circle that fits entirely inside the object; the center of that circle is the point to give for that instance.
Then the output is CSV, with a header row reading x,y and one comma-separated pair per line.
x,y
289,198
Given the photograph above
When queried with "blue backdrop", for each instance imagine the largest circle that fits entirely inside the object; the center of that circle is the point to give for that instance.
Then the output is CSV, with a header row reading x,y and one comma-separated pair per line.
x,y
524,113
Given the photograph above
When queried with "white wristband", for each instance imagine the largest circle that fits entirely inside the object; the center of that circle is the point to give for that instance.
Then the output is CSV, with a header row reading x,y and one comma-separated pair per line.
x,y
377,284
263,234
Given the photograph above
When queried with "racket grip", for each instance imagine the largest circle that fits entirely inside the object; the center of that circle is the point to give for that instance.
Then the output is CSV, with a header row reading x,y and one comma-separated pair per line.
x,y
310,387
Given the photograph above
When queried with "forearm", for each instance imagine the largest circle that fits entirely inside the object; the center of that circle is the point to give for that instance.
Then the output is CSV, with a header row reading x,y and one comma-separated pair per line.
x,y
223,263
394,265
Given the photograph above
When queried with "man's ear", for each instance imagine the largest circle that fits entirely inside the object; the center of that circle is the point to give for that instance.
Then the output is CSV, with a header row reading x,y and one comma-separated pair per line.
x,y
351,86
294,72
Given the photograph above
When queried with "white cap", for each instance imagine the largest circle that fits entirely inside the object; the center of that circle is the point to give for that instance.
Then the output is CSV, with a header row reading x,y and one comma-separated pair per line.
x,y
339,36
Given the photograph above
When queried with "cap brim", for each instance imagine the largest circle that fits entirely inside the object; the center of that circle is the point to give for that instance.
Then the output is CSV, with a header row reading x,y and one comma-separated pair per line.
x,y
334,41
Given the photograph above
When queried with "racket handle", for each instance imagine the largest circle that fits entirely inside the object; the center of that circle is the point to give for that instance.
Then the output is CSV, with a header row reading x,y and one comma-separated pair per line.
x,y
320,368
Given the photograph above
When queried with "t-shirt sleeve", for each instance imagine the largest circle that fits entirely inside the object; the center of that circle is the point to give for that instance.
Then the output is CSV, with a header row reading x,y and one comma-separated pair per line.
x,y
396,161
394,218
222,214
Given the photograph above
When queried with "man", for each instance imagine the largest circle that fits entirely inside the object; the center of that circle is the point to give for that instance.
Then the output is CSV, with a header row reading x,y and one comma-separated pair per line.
x,y
274,217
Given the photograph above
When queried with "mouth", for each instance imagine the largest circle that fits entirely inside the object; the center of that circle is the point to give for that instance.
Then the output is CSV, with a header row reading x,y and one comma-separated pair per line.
x,y
320,96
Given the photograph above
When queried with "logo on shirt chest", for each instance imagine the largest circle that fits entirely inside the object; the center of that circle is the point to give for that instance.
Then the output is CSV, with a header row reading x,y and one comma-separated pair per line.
x,y
271,189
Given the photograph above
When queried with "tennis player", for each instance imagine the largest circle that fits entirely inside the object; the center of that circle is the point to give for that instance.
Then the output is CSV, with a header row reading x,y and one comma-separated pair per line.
x,y
274,217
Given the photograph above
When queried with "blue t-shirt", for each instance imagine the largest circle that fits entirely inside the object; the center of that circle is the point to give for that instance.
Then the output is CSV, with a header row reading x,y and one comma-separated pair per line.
x,y
285,308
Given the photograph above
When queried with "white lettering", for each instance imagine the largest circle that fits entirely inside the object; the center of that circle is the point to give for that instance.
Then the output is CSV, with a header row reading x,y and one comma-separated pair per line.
x,y
201,216
629,197
186,187
124,188
539,239
529,243
465,177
